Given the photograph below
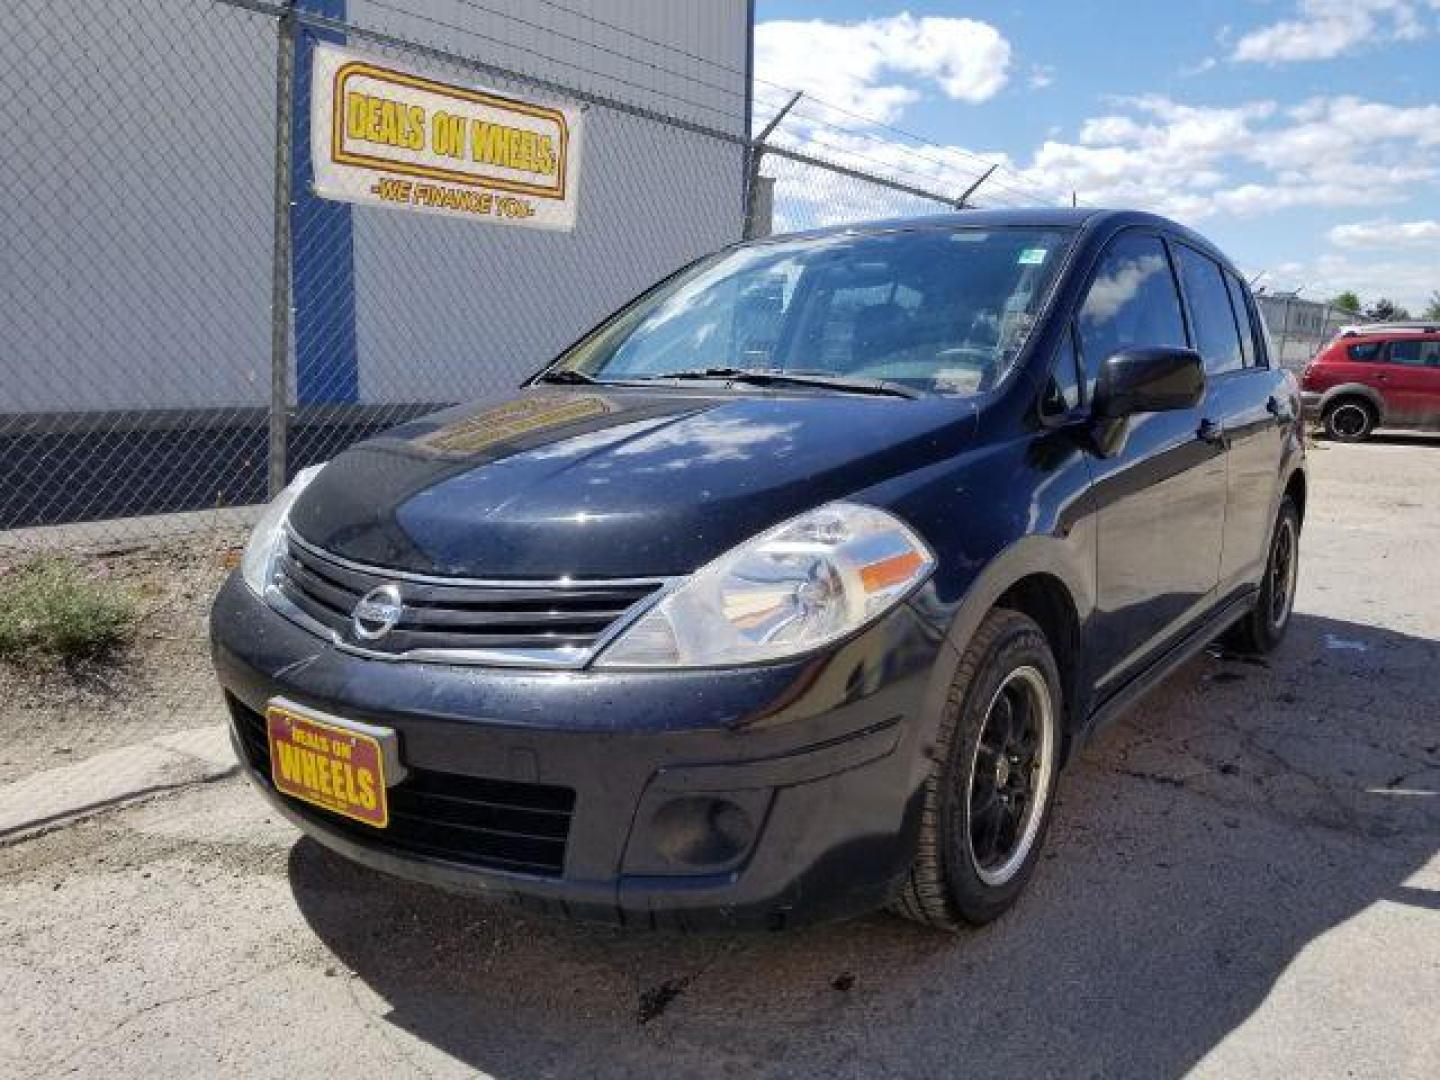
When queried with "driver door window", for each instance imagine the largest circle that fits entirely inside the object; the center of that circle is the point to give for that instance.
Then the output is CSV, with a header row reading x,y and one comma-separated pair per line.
x,y
1132,302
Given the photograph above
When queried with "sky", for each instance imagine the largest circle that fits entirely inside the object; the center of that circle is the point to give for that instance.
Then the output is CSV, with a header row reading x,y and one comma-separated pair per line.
x,y
1301,136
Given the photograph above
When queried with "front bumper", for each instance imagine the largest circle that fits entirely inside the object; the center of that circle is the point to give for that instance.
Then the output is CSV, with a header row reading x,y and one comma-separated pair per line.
x,y
822,755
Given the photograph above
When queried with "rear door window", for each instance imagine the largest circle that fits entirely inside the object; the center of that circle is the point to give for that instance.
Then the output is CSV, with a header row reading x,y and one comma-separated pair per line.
x,y
1217,335
1132,302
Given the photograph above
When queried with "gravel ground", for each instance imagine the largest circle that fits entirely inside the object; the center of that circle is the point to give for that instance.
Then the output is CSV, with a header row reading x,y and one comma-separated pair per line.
x,y
53,713
1243,880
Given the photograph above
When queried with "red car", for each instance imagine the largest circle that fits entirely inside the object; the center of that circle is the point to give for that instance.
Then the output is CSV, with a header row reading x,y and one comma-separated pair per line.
x,y
1375,376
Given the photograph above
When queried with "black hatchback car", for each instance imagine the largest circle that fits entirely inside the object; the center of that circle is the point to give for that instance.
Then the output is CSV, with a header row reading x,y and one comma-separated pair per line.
x,y
787,591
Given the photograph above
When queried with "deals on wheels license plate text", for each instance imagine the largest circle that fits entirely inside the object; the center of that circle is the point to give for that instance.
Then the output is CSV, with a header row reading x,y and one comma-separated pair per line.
x,y
328,766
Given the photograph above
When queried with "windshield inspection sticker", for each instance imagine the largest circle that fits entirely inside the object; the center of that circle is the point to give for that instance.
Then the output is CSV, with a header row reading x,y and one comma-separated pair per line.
x,y
1032,256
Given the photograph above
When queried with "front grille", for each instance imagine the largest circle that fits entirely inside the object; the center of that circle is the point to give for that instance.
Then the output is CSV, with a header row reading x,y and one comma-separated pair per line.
x,y
456,615
498,824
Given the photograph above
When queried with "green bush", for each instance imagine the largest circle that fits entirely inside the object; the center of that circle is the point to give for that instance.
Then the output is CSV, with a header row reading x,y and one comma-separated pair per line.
x,y
52,606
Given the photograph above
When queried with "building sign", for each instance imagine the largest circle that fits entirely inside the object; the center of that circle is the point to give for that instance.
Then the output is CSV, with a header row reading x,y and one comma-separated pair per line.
x,y
386,137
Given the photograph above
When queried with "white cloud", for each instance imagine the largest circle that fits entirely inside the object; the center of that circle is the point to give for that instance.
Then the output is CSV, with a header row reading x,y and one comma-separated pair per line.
x,y
1324,29
1407,283
1041,76
1386,233
1196,161
1330,131
853,65
1251,200
1190,161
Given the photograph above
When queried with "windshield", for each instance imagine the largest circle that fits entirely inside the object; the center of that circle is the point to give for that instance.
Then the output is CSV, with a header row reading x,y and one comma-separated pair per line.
x,y
942,311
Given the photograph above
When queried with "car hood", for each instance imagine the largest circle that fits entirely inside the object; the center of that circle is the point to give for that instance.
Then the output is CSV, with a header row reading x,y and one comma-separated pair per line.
x,y
551,482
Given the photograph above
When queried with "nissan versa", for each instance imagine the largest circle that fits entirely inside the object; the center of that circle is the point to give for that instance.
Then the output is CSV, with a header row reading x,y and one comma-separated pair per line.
x,y
787,591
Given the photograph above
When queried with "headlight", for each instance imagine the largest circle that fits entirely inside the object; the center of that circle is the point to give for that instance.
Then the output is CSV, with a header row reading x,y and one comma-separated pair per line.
x,y
257,565
801,585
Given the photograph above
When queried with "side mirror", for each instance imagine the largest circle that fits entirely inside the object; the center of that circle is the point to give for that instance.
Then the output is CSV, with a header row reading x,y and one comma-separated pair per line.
x,y
1154,379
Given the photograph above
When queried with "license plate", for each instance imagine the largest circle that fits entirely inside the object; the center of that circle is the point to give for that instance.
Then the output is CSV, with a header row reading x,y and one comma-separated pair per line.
x,y
328,766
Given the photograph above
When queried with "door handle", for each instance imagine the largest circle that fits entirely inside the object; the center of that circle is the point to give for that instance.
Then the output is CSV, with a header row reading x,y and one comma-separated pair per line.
x,y
1213,432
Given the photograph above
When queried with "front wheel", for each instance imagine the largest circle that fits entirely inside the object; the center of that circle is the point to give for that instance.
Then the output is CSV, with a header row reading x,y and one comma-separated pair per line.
x,y
1262,630
988,796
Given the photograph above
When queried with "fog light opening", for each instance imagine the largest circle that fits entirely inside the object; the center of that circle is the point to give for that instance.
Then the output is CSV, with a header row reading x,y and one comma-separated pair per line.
x,y
701,831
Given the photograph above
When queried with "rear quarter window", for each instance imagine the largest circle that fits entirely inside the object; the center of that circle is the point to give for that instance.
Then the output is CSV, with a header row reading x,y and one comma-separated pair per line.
x,y
1364,351
1243,317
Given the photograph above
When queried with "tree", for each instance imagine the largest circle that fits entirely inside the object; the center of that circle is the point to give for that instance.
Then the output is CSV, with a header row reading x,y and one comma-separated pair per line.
x,y
1347,301
1383,310
1432,309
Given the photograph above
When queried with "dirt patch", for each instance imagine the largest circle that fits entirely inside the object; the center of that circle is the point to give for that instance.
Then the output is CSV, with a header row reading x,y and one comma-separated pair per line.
x,y
53,712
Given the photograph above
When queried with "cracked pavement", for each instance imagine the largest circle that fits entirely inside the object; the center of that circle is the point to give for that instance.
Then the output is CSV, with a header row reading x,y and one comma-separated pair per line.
x,y
1243,879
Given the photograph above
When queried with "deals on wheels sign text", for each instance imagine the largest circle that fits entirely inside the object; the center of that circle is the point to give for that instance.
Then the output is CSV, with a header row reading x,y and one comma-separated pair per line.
x,y
391,138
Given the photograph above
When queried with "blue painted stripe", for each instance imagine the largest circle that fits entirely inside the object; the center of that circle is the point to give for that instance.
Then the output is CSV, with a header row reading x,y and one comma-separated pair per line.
x,y
322,256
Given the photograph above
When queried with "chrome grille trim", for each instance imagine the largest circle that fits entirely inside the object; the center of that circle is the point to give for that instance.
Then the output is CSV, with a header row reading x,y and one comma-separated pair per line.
x,y
462,607
480,583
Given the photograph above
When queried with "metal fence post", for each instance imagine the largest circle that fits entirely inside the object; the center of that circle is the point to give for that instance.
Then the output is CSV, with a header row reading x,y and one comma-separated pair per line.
x,y
753,154
753,195
963,202
280,265
211,436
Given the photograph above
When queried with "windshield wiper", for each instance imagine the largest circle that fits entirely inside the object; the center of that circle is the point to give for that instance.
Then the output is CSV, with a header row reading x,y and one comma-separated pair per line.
x,y
566,377
794,378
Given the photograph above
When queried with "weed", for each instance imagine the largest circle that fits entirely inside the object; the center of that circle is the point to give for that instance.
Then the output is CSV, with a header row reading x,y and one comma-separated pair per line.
x,y
53,606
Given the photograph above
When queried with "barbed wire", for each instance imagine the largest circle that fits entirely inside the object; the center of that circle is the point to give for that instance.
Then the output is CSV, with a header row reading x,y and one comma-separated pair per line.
x,y
787,91
1023,193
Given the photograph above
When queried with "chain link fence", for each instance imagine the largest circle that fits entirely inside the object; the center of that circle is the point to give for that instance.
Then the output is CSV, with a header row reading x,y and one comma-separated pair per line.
x,y
184,323
135,272
1299,328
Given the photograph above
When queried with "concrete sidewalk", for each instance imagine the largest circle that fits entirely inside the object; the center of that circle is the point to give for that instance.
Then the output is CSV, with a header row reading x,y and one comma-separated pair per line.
x,y
167,762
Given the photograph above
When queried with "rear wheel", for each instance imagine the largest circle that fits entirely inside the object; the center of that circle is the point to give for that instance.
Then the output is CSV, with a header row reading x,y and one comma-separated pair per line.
x,y
1350,419
1264,628
987,799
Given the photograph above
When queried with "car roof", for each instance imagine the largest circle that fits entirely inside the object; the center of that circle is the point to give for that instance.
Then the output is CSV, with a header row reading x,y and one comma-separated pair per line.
x,y
1036,217
1086,218
1341,343
1042,216
1403,329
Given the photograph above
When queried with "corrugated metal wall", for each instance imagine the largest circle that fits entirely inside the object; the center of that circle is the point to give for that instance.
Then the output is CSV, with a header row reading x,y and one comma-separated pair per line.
x,y
135,219
135,269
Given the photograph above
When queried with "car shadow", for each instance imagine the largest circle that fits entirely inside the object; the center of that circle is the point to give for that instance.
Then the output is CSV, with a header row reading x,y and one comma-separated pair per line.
x,y
1200,844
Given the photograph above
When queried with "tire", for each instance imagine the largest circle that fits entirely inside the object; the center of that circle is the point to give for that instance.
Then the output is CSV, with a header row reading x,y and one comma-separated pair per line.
x,y
1350,419
1263,629
1006,690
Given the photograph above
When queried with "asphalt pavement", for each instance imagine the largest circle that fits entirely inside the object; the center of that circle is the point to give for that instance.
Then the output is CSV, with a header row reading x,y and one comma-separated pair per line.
x,y
1243,880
